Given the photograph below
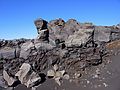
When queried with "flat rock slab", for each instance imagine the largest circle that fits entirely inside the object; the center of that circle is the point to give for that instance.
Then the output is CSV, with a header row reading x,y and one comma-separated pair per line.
x,y
102,34
7,53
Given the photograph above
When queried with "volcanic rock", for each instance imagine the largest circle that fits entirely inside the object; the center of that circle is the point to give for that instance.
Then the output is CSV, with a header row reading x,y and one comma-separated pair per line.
x,y
7,53
10,80
79,37
56,29
27,76
102,34
40,24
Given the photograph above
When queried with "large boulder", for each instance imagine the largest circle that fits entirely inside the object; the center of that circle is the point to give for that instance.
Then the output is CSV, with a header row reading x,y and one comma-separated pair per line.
x,y
79,37
7,53
26,49
56,29
115,34
71,26
27,76
43,35
10,80
40,24
43,32
46,46
102,34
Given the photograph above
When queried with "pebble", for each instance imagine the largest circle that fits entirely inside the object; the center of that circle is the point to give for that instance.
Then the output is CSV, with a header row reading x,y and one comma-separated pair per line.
x,y
105,84
88,82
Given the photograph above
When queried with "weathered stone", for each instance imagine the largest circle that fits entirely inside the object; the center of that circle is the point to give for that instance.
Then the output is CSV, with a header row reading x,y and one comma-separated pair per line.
x,y
27,76
55,67
43,35
59,73
66,76
38,44
7,53
2,83
79,37
51,73
10,80
56,29
115,34
40,24
102,34
25,49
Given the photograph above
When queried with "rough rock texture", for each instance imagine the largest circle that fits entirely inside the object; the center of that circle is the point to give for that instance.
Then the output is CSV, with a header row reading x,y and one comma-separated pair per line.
x,y
102,34
73,46
27,76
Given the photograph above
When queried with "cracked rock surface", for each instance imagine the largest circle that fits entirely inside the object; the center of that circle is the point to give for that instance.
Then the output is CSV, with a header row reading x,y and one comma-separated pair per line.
x,y
75,55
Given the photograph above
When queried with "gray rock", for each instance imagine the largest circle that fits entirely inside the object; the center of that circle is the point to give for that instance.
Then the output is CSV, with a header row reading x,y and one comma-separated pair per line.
x,y
38,44
102,34
56,29
71,26
25,49
43,35
27,76
79,37
7,53
10,80
115,34
2,83
40,24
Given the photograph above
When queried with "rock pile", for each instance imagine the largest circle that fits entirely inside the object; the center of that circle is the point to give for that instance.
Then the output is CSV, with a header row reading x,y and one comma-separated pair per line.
x,y
61,47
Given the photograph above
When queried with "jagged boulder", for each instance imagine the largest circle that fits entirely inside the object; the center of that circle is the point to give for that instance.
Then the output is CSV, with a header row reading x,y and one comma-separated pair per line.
x,y
56,29
27,76
7,53
79,37
71,26
26,49
102,34
10,80
40,24
43,32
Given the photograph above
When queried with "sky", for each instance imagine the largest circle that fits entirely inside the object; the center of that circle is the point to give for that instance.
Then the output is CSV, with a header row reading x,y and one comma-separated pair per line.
x,y
17,16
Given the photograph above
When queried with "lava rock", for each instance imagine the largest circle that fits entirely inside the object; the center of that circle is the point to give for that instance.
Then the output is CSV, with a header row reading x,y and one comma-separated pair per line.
x,y
56,29
102,34
10,80
7,53
43,35
40,24
26,49
27,76
79,37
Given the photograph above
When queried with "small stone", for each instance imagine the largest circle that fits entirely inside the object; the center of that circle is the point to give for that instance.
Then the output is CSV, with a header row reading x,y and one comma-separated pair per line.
x,y
55,67
58,74
77,75
95,76
66,76
33,88
98,71
51,73
58,80
7,53
88,82
10,80
105,84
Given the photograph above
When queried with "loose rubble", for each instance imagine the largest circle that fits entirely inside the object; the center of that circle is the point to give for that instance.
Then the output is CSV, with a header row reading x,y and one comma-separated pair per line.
x,y
62,50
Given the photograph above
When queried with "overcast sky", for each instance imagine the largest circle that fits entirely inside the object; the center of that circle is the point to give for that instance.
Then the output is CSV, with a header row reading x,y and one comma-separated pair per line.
x,y
17,16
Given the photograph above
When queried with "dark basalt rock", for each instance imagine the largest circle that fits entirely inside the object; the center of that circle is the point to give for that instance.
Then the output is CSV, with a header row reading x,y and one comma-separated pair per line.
x,y
71,45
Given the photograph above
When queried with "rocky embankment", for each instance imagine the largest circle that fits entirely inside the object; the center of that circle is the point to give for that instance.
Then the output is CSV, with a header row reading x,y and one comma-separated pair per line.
x,y
61,51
